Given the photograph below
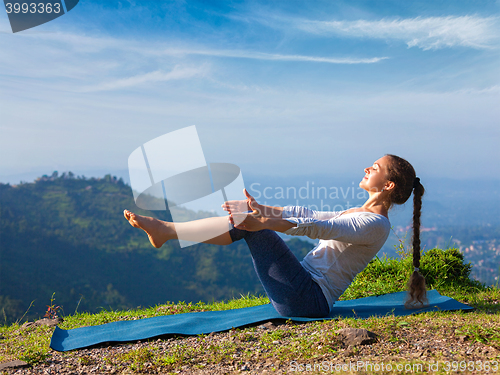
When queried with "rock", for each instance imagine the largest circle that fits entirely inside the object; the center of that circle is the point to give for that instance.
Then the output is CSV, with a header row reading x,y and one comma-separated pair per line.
x,y
43,322
49,322
13,365
355,336
268,325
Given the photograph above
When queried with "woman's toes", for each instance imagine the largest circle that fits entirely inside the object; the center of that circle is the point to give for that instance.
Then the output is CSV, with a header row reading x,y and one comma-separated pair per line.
x,y
149,225
126,213
132,219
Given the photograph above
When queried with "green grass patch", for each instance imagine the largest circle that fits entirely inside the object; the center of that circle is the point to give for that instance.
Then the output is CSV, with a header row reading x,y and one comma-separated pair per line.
x,y
444,270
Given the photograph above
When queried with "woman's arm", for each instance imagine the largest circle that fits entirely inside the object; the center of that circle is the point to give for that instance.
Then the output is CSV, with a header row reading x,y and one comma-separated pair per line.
x,y
253,222
270,212
361,228
304,212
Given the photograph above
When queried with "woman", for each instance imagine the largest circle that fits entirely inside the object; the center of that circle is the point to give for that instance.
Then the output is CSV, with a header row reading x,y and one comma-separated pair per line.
x,y
348,240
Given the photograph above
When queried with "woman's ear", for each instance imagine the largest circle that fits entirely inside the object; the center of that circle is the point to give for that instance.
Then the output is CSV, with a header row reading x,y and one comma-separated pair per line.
x,y
389,186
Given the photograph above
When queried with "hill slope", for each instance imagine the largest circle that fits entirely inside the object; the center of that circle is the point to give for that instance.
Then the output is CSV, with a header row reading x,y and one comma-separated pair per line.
x,y
67,236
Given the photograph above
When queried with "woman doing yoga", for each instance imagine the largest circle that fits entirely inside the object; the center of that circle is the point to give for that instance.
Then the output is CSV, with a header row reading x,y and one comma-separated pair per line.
x,y
348,240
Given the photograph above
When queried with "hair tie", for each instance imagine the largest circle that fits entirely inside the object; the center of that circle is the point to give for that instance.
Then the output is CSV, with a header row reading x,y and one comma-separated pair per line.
x,y
416,269
416,182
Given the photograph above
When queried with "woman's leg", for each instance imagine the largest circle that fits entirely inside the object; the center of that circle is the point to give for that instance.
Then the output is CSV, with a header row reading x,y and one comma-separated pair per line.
x,y
160,231
290,288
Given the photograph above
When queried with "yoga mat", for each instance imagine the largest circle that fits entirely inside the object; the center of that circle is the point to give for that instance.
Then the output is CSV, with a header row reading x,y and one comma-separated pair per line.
x,y
205,322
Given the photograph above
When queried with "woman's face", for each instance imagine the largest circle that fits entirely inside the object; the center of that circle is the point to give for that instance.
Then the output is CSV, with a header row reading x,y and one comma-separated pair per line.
x,y
375,176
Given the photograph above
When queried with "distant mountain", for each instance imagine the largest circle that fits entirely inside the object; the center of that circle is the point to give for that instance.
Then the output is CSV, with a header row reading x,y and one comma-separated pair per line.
x,y
67,235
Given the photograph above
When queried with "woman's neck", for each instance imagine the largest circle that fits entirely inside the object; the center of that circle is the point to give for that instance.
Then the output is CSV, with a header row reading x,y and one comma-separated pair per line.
x,y
376,205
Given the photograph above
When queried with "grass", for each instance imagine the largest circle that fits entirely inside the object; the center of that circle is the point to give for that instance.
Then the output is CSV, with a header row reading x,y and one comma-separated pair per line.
x,y
444,270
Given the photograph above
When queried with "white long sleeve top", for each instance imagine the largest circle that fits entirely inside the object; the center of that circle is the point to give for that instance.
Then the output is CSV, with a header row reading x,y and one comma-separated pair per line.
x,y
347,244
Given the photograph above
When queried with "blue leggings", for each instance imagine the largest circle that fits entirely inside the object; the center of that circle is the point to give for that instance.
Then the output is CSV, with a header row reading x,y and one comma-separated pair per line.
x,y
290,288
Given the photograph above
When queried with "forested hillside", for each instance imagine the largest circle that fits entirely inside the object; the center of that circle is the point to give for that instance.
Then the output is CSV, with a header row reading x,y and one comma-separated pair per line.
x,y
67,235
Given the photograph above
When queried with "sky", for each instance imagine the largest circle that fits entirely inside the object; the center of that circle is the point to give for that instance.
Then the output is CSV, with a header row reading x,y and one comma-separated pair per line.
x,y
280,88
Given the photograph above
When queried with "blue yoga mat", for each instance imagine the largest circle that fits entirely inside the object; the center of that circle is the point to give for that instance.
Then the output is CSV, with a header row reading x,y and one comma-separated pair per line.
x,y
205,322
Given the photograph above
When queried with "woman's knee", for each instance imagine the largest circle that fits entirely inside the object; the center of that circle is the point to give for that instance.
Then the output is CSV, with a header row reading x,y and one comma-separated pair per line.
x,y
237,234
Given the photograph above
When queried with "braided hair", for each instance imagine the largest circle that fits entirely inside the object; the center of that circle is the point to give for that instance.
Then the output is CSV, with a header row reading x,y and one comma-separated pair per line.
x,y
403,175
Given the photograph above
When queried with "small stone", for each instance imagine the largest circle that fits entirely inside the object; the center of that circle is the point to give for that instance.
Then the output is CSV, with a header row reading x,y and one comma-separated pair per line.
x,y
425,353
13,365
355,336
349,352
269,325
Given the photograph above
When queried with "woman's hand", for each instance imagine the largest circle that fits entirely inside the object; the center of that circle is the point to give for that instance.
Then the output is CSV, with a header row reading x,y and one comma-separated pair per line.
x,y
243,206
251,221
251,216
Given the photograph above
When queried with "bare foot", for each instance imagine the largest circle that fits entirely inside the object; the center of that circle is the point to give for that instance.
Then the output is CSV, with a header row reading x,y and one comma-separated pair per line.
x,y
158,231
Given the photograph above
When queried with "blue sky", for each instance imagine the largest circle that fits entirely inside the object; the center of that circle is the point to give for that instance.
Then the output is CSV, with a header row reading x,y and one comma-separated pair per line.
x,y
278,88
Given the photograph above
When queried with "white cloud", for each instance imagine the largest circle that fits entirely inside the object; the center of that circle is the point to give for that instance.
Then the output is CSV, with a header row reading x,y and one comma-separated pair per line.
x,y
275,57
85,63
156,76
83,44
495,90
426,33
